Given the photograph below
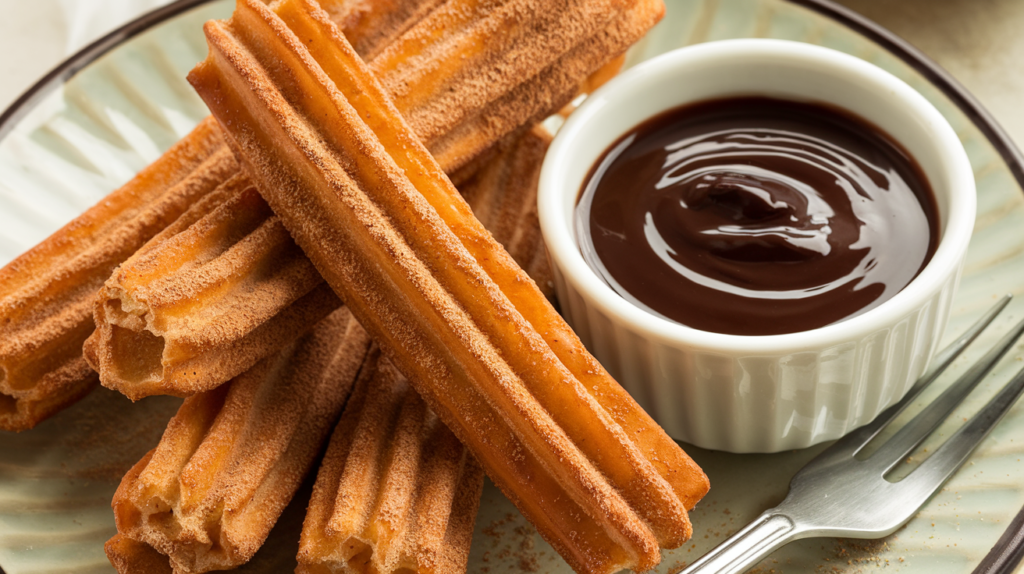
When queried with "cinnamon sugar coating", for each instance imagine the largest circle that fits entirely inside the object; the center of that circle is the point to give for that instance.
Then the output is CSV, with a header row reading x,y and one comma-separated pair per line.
x,y
503,196
232,458
225,285
129,556
396,491
46,294
376,215
474,71
371,25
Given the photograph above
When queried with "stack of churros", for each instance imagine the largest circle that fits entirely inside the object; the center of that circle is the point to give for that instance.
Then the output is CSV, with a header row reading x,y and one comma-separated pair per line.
x,y
375,213
47,294
220,289
225,285
250,267
232,458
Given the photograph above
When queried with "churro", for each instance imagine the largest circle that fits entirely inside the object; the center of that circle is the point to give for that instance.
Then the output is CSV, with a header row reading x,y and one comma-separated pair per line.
x,y
46,294
188,339
129,556
206,302
192,325
375,213
396,491
41,367
225,285
503,197
232,458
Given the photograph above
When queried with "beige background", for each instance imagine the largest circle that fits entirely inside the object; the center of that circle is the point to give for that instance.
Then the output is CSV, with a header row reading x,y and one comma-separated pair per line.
x,y
981,42
31,42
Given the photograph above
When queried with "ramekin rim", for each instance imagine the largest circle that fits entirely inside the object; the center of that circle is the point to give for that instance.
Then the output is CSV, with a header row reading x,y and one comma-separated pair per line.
x,y
563,246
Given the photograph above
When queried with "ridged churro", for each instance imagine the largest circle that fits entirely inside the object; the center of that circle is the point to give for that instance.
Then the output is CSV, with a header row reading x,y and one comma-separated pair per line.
x,y
375,213
475,71
41,367
192,325
212,295
503,197
173,354
396,491
206,302
46,294
232,458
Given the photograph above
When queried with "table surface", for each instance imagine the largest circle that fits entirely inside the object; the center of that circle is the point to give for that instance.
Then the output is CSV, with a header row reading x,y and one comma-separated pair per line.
x,y
980,42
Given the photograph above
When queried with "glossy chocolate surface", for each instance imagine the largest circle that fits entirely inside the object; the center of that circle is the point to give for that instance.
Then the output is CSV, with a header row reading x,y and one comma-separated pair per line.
x,y
756,216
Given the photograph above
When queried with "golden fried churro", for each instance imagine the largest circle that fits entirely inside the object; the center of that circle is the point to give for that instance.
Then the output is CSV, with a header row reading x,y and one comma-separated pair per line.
x,y
503,196
177,353
396,491
207,302
376,215
129,556
170,325
212,295
474,71
46,294
232,458
39,377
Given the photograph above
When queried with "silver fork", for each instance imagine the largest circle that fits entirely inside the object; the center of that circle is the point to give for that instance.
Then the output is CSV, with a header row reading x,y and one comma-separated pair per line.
x,y
838,494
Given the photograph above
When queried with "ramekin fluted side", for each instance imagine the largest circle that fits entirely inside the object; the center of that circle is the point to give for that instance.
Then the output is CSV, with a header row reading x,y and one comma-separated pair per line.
x,y
763,403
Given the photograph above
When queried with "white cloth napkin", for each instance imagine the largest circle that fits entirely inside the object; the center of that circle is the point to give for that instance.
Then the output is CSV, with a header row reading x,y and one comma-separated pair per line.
x,y
88,20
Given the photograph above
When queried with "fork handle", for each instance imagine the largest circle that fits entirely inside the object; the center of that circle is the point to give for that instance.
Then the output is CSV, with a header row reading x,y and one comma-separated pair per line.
x,y
766,533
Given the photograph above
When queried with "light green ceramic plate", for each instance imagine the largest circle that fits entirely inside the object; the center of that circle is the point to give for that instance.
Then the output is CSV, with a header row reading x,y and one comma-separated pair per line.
x,y
62,150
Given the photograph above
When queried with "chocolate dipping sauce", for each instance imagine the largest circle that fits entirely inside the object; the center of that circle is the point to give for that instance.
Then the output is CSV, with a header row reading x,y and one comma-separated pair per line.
x,y
756,216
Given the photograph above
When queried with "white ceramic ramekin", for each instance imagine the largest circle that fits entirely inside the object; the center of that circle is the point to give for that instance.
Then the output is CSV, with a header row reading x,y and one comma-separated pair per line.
x,y
769,393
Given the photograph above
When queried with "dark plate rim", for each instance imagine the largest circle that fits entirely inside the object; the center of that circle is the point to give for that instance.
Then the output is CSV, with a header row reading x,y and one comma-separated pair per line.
x,y
64,71
933,72
1008,549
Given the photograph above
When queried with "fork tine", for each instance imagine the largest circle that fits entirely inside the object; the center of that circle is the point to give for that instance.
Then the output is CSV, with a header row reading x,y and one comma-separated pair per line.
x,y
922,425
853,442
927,478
